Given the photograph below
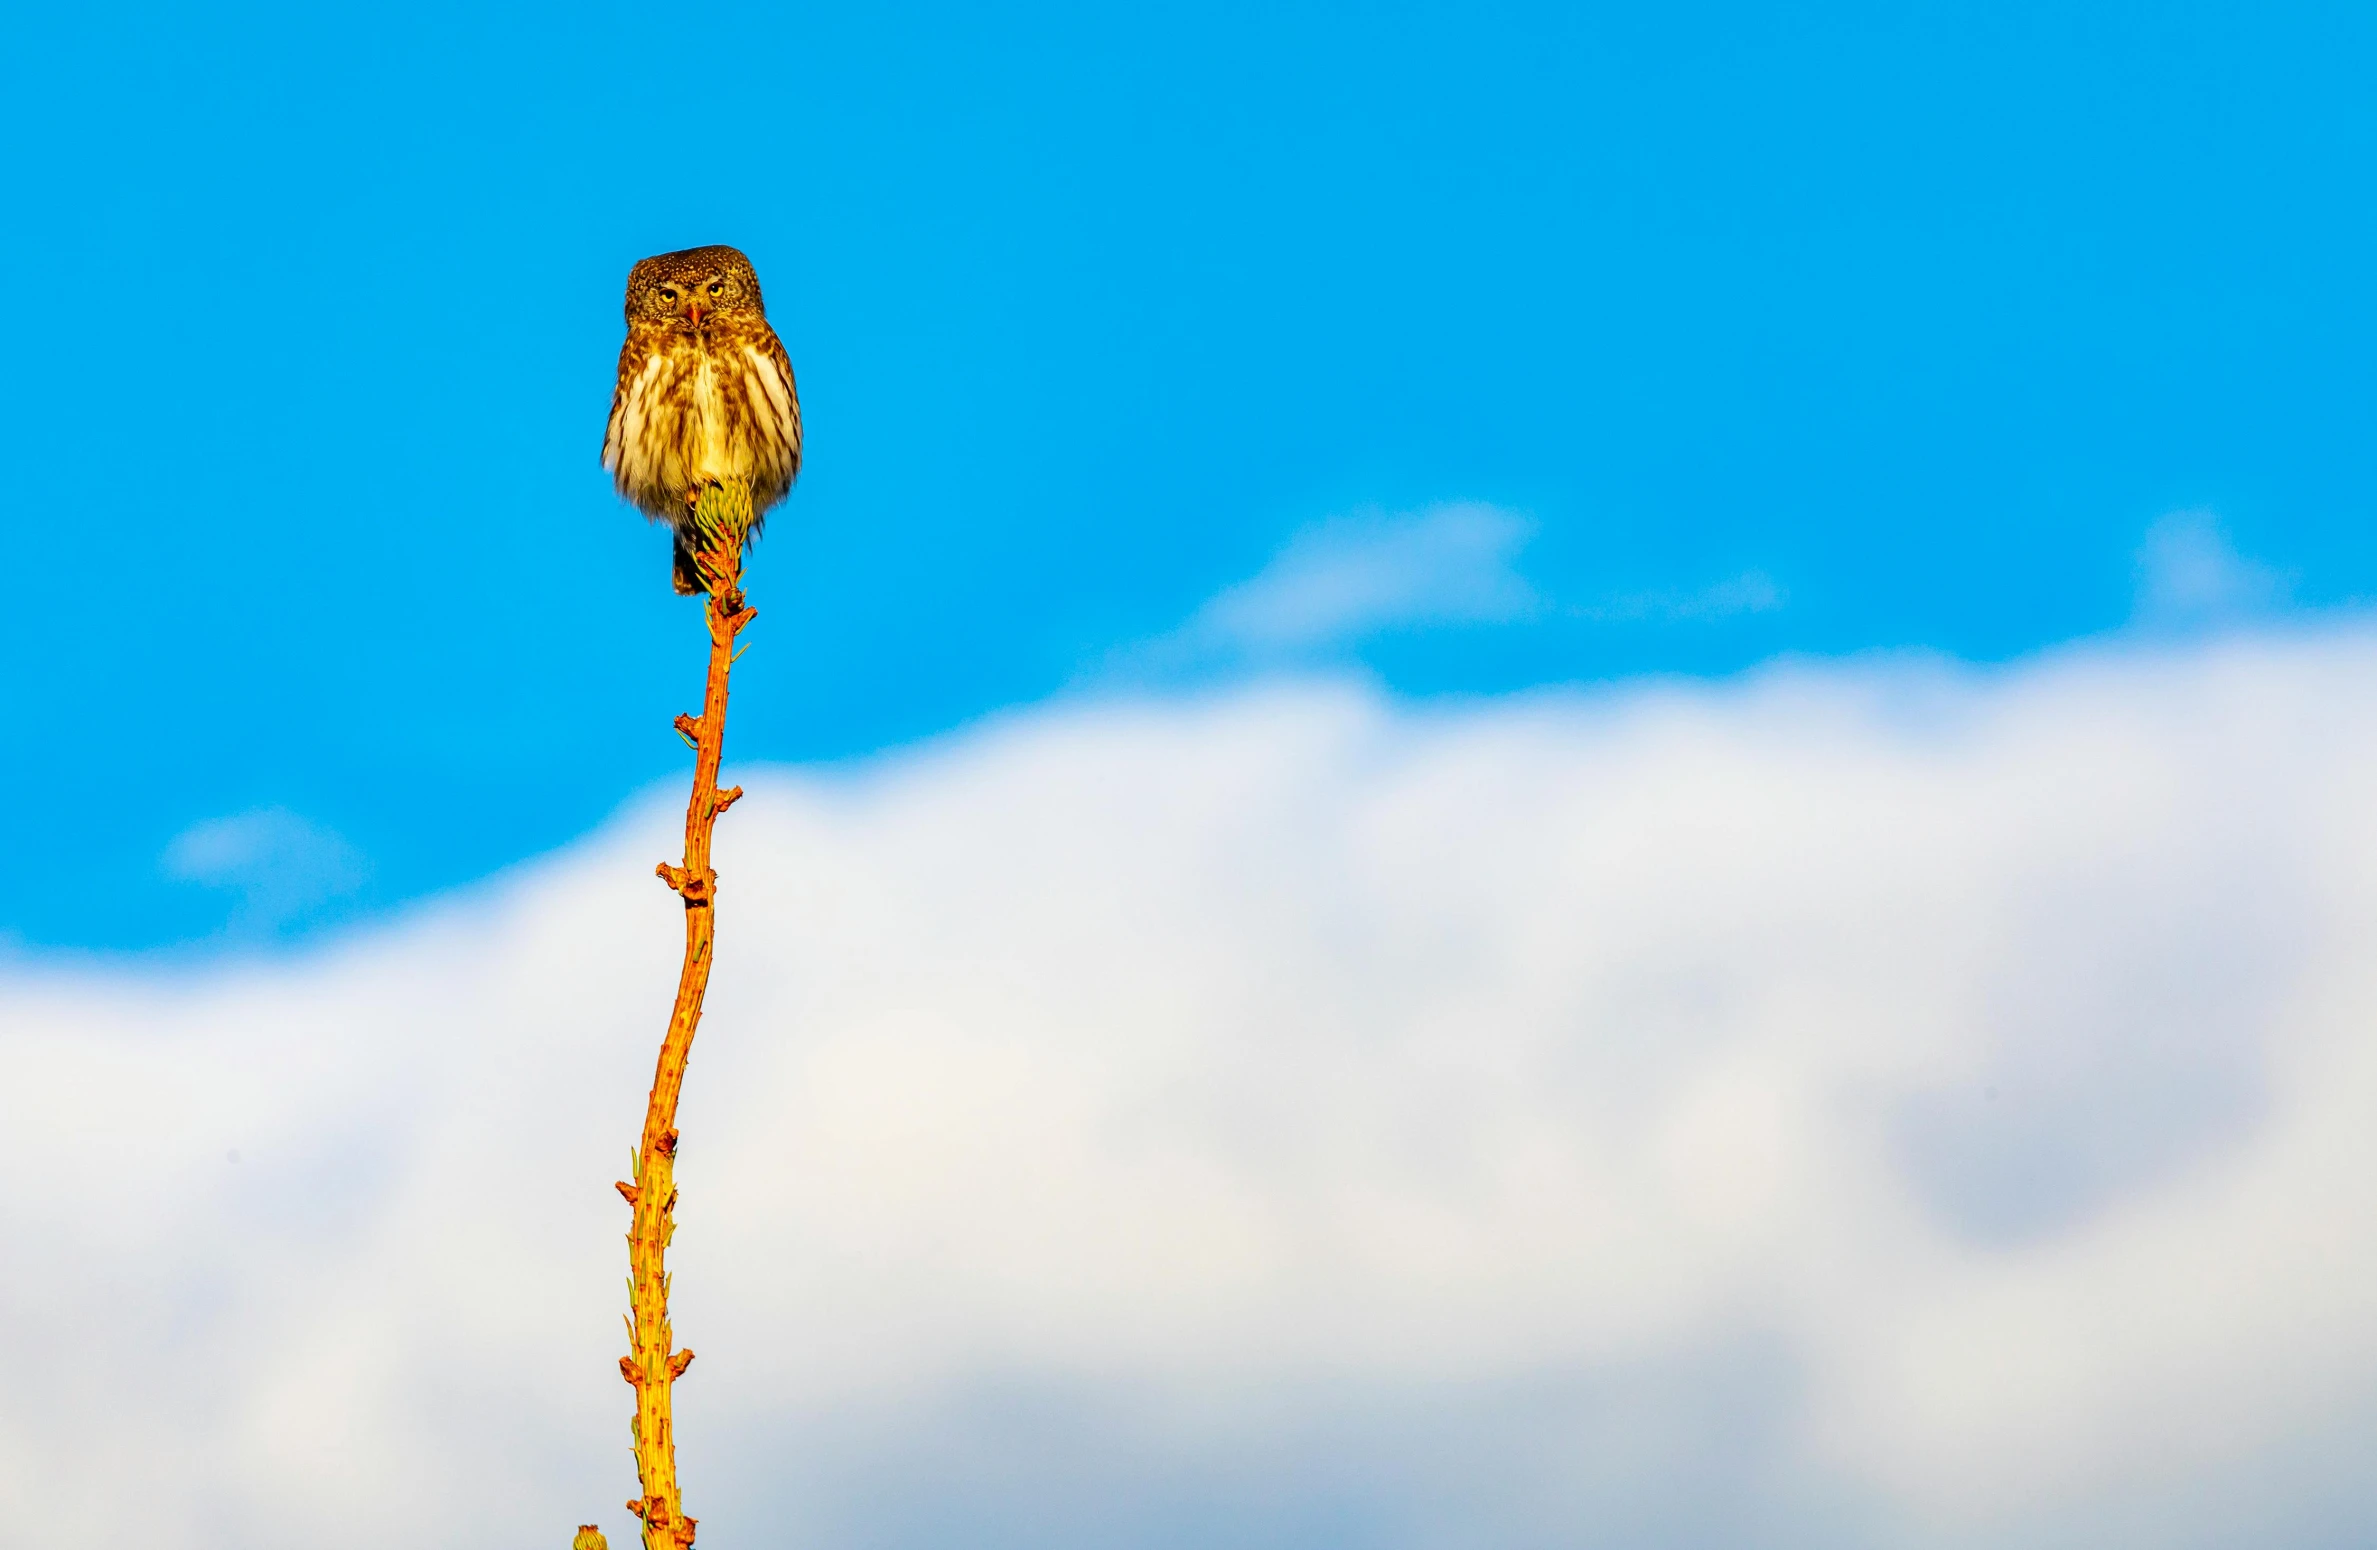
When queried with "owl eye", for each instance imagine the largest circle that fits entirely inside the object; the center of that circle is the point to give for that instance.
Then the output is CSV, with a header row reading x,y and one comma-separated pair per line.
x,y
668,293
717,287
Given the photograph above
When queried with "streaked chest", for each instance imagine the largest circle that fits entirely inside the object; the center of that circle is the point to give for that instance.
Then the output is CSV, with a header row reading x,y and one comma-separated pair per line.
x,y
705,407
673,397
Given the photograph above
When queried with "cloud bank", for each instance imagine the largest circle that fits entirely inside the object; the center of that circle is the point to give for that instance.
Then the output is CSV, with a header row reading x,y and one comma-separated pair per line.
x,y
1864,1105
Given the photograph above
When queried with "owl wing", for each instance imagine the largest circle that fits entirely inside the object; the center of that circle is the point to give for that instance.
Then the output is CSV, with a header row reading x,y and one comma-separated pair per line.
x,y
632,356
784,396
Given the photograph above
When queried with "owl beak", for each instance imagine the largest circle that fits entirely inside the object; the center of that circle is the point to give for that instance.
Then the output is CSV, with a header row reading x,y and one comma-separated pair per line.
x,y
693,310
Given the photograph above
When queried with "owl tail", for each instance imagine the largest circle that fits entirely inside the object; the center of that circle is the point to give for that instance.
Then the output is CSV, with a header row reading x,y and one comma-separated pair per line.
x,y
683,577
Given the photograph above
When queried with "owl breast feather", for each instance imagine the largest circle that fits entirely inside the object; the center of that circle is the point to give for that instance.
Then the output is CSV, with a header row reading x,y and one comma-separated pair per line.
x,y
691,411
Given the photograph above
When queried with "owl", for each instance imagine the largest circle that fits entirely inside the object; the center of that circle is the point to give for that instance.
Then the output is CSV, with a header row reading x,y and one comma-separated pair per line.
x,y
705,393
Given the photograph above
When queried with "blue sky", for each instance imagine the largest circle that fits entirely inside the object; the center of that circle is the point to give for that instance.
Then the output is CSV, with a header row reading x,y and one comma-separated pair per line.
x,y
1916,316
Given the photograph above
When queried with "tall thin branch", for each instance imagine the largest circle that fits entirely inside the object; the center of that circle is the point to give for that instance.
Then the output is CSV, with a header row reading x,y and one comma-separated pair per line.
x,y
721,521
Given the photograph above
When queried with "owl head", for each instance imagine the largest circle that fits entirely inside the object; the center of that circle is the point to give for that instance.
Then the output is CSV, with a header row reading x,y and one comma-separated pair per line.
x,y
686,287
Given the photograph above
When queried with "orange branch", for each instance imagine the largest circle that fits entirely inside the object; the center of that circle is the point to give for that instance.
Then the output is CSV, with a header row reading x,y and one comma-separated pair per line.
x,y
722,518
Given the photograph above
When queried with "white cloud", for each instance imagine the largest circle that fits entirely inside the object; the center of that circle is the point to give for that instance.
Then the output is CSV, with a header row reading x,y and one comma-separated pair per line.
x,y
2190,574
1751,592
1350,577
1866,1105
280,865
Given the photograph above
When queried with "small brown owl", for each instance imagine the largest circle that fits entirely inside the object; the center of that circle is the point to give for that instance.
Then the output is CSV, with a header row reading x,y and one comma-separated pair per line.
x,y
705,392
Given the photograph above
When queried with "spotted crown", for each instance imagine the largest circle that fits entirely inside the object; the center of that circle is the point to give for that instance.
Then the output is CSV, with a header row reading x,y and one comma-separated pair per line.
x,y
691,264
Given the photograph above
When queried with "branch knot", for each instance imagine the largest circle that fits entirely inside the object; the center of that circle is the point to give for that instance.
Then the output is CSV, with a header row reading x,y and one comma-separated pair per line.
x,y
697,887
